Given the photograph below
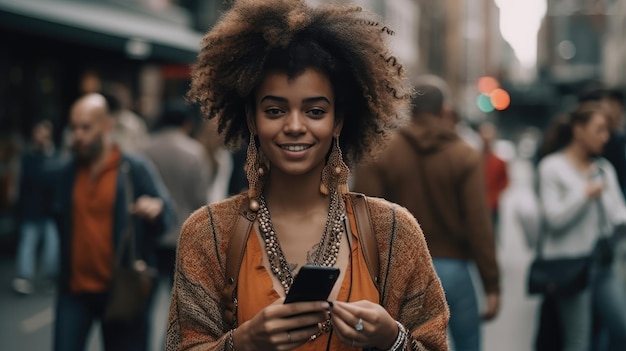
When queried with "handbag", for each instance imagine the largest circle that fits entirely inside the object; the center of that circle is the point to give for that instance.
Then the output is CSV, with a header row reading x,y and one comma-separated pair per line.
x,y
131,283
557,276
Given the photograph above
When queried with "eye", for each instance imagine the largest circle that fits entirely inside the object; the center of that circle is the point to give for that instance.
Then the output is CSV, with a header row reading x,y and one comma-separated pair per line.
x,y
273,111
316,112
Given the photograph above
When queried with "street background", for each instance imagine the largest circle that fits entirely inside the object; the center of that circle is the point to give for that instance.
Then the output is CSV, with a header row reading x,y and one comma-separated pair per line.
x,y
535,55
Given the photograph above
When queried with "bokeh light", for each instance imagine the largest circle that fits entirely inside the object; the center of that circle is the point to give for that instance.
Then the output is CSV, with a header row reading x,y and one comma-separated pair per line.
x,y
500,99
487,84
484,103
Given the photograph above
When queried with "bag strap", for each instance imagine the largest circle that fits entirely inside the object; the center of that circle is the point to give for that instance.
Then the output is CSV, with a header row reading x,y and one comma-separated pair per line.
x,y
366,234
602,214
241,232
128,240
234,256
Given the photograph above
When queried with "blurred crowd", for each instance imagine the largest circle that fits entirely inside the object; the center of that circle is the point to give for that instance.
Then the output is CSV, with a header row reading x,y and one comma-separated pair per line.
x,y
448,174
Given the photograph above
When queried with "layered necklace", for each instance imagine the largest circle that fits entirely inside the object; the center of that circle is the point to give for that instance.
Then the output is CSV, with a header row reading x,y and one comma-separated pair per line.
x,y
325,253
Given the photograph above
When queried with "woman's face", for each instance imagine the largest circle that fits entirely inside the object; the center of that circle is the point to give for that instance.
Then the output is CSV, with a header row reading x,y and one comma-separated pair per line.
x,y
593,135
295,121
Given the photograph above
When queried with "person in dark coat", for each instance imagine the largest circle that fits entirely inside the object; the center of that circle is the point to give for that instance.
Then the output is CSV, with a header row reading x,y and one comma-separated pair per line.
x,y
101,192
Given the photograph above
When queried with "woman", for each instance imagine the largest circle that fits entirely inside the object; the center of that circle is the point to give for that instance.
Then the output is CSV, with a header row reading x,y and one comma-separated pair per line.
x,y
294,81
579,194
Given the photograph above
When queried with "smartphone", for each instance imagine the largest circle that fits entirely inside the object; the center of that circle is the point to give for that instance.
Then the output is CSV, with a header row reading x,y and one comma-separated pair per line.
x,y
313,283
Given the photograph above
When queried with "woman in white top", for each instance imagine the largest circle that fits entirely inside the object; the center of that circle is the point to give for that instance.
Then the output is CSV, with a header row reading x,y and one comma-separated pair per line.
x,y
578,192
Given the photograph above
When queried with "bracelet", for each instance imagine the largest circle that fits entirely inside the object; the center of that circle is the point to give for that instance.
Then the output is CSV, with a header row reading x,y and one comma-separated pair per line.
x,y
400,339
229,340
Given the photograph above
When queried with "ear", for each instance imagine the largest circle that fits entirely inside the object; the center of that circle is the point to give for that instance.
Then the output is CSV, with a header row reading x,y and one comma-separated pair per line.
x,y
250,118
109,123
338,124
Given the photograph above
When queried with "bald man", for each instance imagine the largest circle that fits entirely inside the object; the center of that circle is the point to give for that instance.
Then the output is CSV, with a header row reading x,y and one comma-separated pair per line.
x,y
92,211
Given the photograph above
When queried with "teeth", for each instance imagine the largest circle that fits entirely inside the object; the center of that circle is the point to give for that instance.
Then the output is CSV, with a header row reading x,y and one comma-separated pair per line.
x,y
295,148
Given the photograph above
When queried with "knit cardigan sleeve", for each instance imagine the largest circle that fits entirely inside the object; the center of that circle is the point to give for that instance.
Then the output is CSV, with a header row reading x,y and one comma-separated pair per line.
x,y
196,319
409,287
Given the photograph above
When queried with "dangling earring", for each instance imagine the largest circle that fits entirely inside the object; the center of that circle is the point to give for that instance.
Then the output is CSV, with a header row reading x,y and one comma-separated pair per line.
x,y
254,173
336,172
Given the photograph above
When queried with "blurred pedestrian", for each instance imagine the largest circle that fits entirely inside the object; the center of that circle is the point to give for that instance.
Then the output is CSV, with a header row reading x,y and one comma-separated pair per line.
x,y
294,80
578,192
220,162
38,245
9,166
428,169
612,102
130,132
182,163
495,168
92,213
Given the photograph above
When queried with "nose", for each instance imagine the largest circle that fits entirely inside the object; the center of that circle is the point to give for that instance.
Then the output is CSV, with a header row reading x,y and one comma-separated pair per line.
x,y
295,123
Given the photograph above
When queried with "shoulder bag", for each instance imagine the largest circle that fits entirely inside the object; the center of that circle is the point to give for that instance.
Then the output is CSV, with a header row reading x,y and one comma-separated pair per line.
x,y
131,283
568,276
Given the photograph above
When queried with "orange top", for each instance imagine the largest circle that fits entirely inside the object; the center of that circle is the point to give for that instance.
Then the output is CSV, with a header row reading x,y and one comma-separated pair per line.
x,y
92,242
256,290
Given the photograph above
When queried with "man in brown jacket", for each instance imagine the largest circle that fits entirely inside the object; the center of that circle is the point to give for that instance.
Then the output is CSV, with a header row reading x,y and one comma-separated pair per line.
x,y
439,178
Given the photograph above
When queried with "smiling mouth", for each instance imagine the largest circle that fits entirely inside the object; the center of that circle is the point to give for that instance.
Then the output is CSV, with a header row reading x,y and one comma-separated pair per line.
x,y
295,148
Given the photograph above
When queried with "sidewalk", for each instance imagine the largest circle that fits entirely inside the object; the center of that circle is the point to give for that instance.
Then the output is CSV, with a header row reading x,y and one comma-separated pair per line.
x,y
26,322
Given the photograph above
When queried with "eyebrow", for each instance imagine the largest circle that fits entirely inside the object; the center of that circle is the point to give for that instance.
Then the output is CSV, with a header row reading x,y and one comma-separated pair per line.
x,y
307,100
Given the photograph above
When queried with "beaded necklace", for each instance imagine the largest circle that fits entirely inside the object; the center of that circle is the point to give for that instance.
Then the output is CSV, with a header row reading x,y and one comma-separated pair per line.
x,y
325,253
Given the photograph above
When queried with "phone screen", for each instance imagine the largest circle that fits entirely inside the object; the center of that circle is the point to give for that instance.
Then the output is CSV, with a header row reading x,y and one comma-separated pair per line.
x,y
313,283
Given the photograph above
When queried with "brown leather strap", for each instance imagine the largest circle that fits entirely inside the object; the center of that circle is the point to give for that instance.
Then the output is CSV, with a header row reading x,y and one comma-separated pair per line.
x,y
366,234
234,256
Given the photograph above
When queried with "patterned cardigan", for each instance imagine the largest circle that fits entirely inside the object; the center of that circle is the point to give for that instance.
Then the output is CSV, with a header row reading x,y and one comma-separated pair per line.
x,y
408,285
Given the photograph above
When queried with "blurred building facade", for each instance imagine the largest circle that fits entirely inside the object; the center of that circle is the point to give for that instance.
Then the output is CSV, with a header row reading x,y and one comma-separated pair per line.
x,y
571,38
55,50
614,51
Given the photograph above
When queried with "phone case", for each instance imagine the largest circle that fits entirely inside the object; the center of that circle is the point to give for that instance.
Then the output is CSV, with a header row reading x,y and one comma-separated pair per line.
x,y
313,283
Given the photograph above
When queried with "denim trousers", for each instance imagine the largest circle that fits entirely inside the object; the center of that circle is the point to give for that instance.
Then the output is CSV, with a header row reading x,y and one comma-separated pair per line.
x,y
575,317
75,315
32,233
609,306
464,325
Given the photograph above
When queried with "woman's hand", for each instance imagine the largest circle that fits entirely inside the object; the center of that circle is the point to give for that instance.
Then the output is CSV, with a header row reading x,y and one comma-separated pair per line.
x,y
377,328
594,189
281,326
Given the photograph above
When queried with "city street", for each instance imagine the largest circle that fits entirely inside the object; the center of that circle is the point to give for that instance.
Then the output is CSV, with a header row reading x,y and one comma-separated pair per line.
x,y
26,322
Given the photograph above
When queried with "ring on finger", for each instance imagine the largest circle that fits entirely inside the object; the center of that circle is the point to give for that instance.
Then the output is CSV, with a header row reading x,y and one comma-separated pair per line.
x,y
359,325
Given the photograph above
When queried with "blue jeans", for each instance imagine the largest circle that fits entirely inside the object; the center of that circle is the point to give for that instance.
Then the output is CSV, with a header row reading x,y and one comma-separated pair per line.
x,y
609,302
32,232
575,317
75,314
464,325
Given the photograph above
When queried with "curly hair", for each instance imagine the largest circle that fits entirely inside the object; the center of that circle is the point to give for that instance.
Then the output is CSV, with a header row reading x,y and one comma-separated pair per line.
x,y
346,43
